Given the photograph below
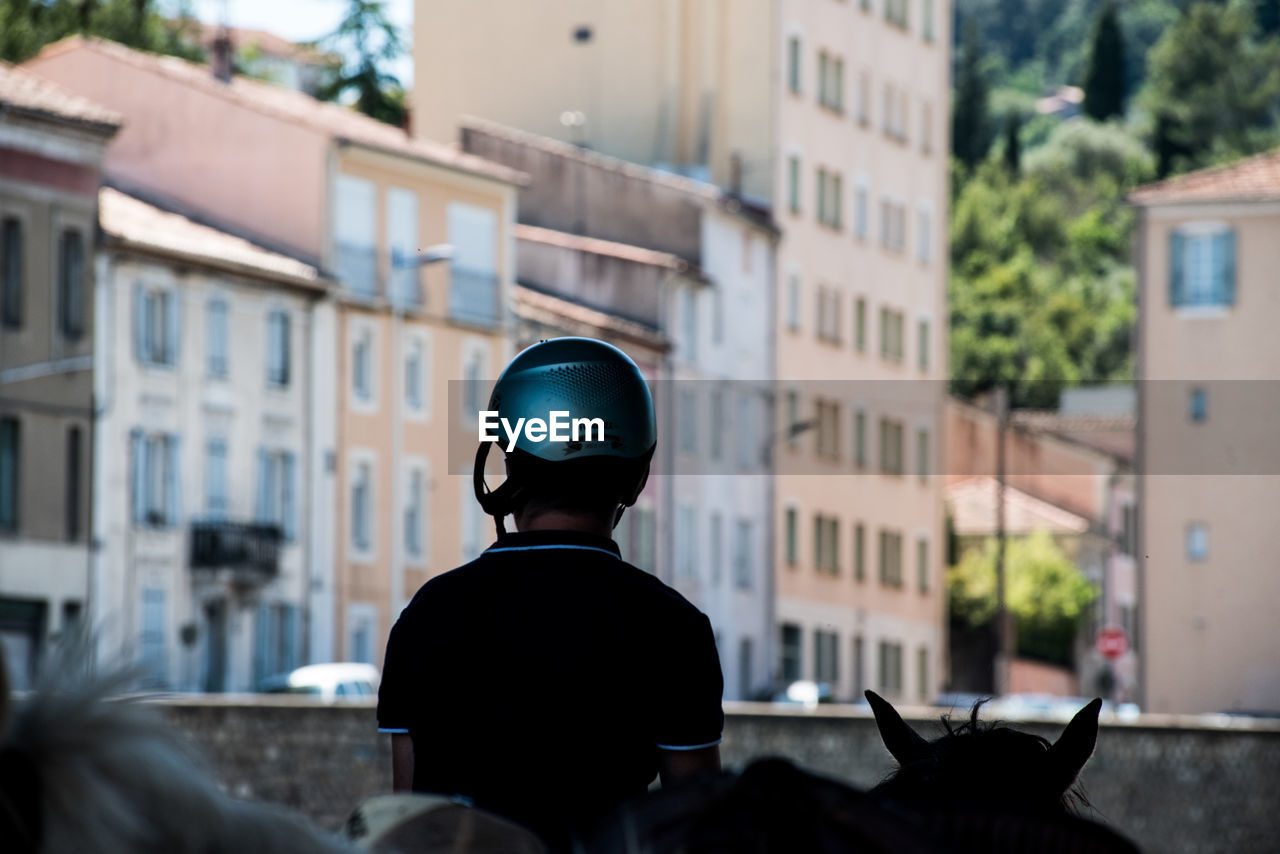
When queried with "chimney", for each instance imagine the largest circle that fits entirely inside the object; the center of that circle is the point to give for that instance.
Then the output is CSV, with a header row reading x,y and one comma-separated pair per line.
x,y
407,124
220,55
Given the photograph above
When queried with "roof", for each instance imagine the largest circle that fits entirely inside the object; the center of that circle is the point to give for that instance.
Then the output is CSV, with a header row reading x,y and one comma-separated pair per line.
x,y
1112,434
267,43
573,317
1254,179
973,510
608,248
24,92
337,122
135,224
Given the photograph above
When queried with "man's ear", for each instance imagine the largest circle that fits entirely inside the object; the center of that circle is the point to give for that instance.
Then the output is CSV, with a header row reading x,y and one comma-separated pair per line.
x,y
1074,747
904,743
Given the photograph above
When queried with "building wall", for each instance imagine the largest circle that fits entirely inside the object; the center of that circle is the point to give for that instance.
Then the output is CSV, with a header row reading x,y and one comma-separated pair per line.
x,y
374,585
1208,635
48,184
1149,780
175,144
184,401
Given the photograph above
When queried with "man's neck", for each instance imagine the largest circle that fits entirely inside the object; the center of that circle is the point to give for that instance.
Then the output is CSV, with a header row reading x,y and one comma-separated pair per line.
x,y
558,521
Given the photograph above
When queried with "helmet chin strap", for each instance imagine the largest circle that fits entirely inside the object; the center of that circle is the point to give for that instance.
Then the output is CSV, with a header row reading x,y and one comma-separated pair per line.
x,y
499,502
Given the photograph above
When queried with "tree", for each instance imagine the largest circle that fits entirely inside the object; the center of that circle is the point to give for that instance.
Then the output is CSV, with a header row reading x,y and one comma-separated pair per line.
x,y
1012,144
1048,596
26,26
1104,78
970,122
1213,89
370,39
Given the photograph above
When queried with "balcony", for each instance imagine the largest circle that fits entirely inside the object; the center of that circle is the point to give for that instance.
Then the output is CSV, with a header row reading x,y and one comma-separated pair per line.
x,y
249,552
473,297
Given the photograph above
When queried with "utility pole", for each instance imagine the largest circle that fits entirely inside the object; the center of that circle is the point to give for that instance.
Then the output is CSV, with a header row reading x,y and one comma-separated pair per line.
x,y
1004,626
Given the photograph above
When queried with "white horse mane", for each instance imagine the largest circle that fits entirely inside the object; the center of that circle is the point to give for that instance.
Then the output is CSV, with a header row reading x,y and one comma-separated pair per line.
x,y
116,777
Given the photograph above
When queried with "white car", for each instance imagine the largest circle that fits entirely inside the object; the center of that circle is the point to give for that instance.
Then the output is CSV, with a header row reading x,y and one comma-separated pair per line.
x,y
338,682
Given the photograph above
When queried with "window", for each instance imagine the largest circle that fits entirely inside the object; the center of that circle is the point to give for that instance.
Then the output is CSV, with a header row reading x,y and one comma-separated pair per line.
x,y
924,234
275,636
687,542
860,211
11,272
277,491
362,627
922,454
362,366
414,376
717,424
355,234
859,674
743,571
155,462
745,669
922,344
830,189
890,558
1199,404
716,296
792,653
923,689
890,669
859,551
891,456
216,338
891,334
1129,529
830,82
475,391
828,423
793,302
473,272
714,558
792,546
278,348
864,98
156,326
895,12
826,544
74,455
926,23
826,667
72,297
793,418
922,564
793,183
414,514
824,73
10,461
215,479
1197,541
689,324
837,85
793,64
860,325
402,241
892,224
643,531
926,128
860,438
1202,265
151,640
827,315
822,194
688,415
361,507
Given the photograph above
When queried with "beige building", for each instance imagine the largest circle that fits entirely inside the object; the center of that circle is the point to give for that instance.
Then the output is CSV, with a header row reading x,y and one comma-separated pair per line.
x,y
358,200
1209,402
834,113
51,147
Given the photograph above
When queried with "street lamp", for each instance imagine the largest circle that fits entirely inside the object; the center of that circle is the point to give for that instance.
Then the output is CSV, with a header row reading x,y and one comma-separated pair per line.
x,y
430,255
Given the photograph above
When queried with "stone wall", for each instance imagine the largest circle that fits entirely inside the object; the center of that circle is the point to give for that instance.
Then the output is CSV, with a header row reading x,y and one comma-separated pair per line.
x,y
1172,784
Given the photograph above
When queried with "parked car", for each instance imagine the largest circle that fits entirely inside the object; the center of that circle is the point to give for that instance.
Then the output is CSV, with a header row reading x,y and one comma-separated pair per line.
x,y
336,682
806,693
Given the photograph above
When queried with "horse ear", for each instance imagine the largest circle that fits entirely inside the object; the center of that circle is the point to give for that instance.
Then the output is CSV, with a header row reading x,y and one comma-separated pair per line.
x,y
1074,747
904,743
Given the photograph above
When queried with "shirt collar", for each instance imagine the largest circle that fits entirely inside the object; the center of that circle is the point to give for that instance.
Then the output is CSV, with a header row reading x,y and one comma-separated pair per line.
x,y
545,539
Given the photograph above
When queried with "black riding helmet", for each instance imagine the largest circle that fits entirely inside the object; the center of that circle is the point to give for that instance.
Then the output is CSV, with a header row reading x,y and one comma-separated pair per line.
x,y
608,425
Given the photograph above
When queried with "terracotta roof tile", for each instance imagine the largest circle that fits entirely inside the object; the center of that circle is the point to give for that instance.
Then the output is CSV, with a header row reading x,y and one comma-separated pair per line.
x,y
1255,178
26,92
288,105
973,508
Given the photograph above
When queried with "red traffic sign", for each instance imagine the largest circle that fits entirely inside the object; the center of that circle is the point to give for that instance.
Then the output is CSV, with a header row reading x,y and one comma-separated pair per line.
x,y
1112,643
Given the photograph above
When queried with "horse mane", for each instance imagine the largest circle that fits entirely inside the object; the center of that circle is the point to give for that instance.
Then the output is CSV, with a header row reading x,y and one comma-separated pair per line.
x,y
114,776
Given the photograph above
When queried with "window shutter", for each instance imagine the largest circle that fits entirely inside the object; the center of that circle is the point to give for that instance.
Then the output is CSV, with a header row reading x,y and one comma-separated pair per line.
x,y
139,323
138,453
287,500
262,504
284,348
173,319
1227,273
1177,275
173,486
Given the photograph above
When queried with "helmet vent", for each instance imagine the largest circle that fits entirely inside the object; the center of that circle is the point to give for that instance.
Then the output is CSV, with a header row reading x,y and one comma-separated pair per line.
x,y
591,386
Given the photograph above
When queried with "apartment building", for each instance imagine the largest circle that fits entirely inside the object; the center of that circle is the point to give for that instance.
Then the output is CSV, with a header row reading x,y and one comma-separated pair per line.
x,y
203,384
832,113
683,272
51,148
1208,362
359,201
